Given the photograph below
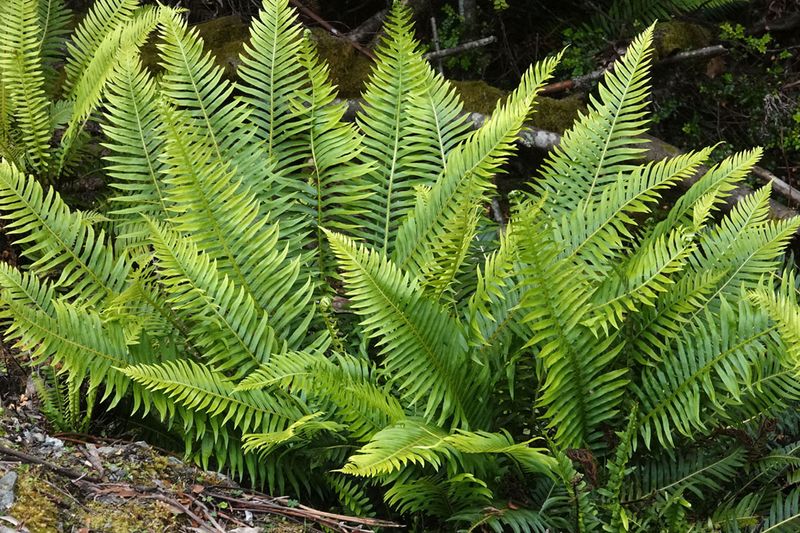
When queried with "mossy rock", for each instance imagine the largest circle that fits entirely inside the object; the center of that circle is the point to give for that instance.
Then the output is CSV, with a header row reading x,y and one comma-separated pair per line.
x,y
34,506
677,36
557,115
224,37
478,96
349,69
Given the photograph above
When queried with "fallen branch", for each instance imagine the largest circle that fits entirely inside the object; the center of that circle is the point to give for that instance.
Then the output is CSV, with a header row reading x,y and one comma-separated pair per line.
x,y
328,26
32,459
586,80
369,26
437,54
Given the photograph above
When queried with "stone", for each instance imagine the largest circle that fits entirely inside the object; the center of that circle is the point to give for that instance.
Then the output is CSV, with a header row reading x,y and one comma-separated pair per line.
x,y
7,483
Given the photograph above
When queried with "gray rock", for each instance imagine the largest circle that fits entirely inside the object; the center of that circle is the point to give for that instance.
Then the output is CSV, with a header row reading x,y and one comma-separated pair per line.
x,y
246,530
109,450
7,483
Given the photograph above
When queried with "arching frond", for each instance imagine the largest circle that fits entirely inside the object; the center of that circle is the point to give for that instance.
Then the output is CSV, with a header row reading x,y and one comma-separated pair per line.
x,y
604,142
424,348
58,240
197,387
103,17
23,77
133,129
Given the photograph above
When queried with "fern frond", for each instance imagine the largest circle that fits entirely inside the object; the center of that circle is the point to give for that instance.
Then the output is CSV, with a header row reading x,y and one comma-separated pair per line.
x,y
226,223
134,132
397,446
439,496
104,17
54,19
226,324
197,387
272,78
57,239
301,430
580,389
424,348
468,174
604,142
351,494
27,289
713,357
23,74
386,122
640,281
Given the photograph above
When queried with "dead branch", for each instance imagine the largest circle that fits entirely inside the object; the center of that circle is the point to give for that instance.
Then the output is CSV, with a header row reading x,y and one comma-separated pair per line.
x,y
370,26
328,26
31,459
437,54
581,82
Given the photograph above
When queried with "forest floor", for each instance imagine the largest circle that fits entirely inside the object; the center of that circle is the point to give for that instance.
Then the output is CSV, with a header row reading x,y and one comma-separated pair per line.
x,y
83,484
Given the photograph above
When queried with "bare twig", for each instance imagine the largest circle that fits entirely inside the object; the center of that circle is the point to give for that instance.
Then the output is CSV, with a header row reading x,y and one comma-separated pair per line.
x,y
369,26
31,459
436,48
185,510
328,26
437,54
584,81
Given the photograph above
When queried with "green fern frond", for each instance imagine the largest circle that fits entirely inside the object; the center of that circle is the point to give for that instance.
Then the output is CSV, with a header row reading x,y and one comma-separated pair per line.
x,y
604,142
23,75
397,446
351,494
226,324
531,460
581,389
273,78
134,132
54,19
386,121
199,388
468,174
641,281
57,239
27,289
301,430
439,496
104,17
424,348
712,358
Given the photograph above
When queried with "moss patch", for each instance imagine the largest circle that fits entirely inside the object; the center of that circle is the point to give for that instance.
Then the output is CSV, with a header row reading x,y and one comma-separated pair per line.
x,y
676,36
224,37
34,506
479,96
349,69
557,115
128,516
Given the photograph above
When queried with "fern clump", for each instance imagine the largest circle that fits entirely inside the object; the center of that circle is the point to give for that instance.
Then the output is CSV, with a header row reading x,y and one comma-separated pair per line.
x,y
325,308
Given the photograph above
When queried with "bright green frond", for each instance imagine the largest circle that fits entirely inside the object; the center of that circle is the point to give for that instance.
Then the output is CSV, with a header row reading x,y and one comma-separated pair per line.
x,y
712,359
58,240
27,289
134,131
55,19
273,77
582,389
104,17
423,348
532,460
303,430
227,325
641,281
23,75
387,122
199,388
467,177
605,141
394,448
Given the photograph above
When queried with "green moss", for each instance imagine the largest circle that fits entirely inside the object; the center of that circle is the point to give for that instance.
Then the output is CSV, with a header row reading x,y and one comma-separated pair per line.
x,y
349,69
34,507
676,36
129,516
557,115
479,96
224,37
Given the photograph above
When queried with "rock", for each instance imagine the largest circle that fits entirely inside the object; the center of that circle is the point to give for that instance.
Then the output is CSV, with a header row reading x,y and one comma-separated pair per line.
x,y
678,36
7,483
246,530
349,68
109,450
54,443
478,96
